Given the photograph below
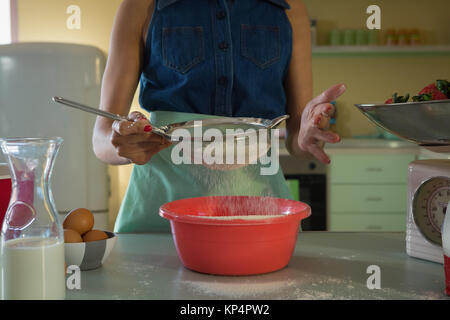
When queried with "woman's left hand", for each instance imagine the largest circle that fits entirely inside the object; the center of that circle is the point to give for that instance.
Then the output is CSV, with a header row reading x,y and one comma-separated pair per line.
x,y
315,122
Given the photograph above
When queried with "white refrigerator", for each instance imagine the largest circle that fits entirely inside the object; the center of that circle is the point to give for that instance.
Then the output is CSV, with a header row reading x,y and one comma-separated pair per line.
x,y
30,75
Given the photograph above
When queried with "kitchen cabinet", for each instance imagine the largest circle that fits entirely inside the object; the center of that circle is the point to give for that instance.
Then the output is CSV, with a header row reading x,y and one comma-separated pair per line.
x,y
370,169
367,186
368,198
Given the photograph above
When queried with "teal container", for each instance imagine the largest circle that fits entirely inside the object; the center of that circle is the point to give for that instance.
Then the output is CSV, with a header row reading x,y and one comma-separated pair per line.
x,y
372,37
349,37
335,37
362,37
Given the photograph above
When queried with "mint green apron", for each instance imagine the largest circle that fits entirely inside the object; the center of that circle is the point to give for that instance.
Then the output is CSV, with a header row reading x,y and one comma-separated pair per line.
x,y
160,181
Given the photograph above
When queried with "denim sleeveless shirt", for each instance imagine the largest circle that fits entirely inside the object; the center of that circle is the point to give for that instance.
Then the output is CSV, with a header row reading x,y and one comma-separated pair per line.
x,y
219,57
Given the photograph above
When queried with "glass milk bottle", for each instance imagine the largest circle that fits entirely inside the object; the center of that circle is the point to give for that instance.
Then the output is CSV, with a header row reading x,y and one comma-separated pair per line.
x,y
32,238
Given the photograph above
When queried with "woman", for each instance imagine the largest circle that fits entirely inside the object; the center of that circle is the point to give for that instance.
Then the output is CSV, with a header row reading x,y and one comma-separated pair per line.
x,y
196,59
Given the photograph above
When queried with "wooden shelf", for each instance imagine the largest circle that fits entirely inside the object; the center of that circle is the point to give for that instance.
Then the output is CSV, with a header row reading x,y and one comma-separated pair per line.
x,y
331,51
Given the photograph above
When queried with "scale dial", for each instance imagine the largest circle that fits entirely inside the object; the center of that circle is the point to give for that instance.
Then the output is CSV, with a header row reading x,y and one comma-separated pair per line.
x,y
429,207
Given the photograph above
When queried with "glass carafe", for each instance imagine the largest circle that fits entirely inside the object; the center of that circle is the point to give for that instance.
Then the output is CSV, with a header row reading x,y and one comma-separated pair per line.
x,y
32,238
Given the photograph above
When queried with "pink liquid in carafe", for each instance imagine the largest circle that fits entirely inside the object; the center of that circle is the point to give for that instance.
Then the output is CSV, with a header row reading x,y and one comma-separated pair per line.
x,y
5,195
22,212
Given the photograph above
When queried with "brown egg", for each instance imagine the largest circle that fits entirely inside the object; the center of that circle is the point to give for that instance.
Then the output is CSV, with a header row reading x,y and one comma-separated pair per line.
x,y
80,220
71,236
94,235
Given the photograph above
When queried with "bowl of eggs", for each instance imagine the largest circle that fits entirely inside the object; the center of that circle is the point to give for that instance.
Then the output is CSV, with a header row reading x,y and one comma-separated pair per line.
x,y
84,246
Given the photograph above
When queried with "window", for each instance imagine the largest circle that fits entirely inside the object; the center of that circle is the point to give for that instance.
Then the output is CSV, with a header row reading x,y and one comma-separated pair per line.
x,y
5,22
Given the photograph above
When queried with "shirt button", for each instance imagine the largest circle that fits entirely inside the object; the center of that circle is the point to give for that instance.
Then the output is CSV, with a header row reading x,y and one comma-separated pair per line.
x,y
223,81
221,15
223,45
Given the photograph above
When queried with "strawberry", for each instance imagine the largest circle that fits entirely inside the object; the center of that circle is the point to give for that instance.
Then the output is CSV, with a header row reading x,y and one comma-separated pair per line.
x,y
397,99
434,91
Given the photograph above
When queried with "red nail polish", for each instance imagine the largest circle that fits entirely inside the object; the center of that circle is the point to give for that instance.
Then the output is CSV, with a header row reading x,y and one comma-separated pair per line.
x,y
148,128
317,120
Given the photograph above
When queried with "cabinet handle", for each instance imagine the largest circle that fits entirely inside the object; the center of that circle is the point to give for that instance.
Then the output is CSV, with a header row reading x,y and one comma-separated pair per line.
x,y
374,169
374,227
374,199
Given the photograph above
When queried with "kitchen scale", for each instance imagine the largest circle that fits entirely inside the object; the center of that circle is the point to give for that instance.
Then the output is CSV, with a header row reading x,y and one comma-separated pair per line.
x,y
428,125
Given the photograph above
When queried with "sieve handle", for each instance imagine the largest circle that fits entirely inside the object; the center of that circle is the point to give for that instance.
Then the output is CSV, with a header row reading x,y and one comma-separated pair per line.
x,y
275,122
98,112
103,113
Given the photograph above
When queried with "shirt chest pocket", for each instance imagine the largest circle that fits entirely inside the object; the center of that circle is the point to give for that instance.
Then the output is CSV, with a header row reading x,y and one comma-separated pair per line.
x,y
182,47
260,44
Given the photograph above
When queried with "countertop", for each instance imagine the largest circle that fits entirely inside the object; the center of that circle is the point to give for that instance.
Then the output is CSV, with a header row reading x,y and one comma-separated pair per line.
x,y
324,265
365,146
372,143
369,146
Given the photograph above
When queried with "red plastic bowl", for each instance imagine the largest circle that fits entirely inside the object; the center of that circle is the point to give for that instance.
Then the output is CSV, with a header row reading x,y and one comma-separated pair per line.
x,y
235,246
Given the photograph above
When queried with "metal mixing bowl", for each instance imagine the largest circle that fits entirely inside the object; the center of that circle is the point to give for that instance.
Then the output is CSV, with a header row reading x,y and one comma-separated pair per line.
x,y
425,123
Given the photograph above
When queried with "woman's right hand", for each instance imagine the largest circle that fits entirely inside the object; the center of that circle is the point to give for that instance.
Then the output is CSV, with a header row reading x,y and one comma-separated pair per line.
x,y
134,140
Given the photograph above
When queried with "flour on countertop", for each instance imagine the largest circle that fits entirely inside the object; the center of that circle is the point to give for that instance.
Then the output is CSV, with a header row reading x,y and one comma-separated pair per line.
x,y
308,287
136,267
238,289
